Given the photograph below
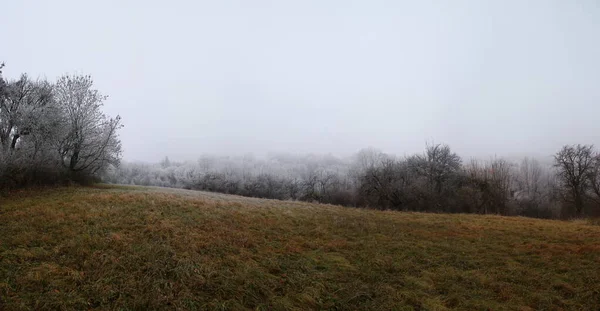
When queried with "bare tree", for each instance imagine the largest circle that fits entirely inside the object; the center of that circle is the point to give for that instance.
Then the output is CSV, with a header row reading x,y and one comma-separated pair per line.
x,y
89,140
293,186
24,108
368,158
529,178
324,184
475,198
594,178
388,185
533,188
491,183
439,165
574,164
501,184
310,181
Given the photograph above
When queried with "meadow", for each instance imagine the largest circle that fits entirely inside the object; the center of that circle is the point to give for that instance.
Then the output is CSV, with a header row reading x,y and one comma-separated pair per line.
x,y
143,248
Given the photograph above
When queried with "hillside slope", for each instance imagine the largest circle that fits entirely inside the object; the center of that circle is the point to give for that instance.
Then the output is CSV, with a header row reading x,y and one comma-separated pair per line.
x,y
149,248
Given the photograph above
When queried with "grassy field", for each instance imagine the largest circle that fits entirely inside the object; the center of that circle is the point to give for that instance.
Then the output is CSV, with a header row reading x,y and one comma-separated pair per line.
x,y
122,248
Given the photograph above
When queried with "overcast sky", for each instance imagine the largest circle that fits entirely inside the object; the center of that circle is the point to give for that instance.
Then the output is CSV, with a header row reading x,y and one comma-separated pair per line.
x,y
231,77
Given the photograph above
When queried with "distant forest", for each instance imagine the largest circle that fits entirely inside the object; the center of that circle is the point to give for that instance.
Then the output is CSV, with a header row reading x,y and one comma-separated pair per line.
x,y
437,180
55,133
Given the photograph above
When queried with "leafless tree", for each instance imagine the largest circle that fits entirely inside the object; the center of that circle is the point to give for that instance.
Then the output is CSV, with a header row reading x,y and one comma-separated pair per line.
x,y
575,163
89,140
368,158
293,187
530,177
594,178
440,167
388,185
491,185
24,109
501,184
534,189
39,118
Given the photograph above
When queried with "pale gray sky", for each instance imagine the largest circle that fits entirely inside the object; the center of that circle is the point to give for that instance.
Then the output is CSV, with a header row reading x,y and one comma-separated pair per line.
x,y
229,77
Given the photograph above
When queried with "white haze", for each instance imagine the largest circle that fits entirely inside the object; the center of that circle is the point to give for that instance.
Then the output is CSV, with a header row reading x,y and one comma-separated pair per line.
x,y
234,77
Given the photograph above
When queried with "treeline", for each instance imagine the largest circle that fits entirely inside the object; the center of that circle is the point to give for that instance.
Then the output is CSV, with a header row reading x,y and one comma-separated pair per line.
x,y
435,181
54,131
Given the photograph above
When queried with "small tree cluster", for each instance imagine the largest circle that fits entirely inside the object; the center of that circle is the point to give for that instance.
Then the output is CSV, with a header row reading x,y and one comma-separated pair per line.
x,y
54,131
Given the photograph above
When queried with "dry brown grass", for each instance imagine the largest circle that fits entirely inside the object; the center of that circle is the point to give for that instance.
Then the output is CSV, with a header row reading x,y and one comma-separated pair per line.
x,y
150,248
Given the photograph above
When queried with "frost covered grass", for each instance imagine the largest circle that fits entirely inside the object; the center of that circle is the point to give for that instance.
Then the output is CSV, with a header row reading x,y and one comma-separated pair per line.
x,y
135,248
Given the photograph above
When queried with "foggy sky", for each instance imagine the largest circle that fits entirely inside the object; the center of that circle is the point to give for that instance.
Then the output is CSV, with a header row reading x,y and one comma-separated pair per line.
x,y
231,77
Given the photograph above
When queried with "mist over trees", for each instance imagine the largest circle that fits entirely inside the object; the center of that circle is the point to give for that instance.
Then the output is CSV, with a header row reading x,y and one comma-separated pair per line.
x,y
438,180
54,132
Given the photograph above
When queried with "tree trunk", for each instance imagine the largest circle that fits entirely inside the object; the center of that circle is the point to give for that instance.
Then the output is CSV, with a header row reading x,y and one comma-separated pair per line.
x,y
4,138
14,141
578,204
74,160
